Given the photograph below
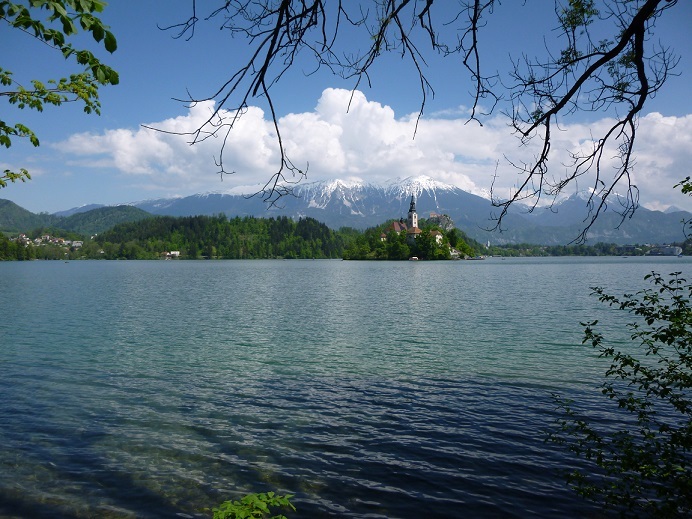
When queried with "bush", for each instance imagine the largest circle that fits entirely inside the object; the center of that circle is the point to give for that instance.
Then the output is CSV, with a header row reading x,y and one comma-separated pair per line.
x,y
253,506
643,467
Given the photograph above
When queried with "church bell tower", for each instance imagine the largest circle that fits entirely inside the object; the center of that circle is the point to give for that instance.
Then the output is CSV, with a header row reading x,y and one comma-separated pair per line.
x,y
412,215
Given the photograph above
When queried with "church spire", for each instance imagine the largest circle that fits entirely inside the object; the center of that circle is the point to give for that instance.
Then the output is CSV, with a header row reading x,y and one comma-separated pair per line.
x,y
412,215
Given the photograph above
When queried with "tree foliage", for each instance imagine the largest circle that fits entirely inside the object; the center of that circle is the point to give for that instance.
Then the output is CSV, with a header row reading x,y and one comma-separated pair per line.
x,y
218,238
54,22
254,506
686,188
602,57
644,465
382,243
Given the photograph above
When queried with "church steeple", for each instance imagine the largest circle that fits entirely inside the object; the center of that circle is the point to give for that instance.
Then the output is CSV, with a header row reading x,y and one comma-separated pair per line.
x,y
412,215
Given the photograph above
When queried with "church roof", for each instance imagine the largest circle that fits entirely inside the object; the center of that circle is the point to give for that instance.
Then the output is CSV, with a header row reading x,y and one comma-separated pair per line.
x,y
413,230
397,227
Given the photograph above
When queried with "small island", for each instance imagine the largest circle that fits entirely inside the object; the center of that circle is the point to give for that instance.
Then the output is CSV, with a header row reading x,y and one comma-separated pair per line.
x,y
435,239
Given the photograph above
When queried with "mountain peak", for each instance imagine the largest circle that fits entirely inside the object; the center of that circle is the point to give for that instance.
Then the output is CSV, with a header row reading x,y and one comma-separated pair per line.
x,y
325,190
415,186
673,209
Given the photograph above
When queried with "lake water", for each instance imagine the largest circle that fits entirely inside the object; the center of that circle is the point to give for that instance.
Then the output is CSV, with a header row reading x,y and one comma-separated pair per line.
x,y
366,389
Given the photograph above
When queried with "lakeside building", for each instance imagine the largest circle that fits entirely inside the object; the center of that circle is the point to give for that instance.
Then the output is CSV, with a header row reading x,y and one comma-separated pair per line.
x,y
665,250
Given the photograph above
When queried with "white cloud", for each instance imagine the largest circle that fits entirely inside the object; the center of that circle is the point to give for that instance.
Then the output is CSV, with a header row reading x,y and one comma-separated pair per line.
x,y
664,155
347,136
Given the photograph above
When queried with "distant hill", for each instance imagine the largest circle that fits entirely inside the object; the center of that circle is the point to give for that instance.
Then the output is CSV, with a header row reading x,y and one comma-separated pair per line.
x,y
15,219
80,209
99,220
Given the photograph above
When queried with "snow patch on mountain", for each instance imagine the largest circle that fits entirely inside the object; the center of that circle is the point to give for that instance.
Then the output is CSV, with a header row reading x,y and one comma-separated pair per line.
x,y
357,197
208,194
326,190
82,209
320,194
590,194
484,193
404,188
161,203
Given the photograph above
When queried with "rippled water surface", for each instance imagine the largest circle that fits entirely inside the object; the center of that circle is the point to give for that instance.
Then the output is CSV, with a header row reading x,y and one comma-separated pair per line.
x,y
413,389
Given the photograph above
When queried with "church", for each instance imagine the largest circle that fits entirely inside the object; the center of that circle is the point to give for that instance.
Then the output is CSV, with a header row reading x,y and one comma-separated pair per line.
x,y
410,226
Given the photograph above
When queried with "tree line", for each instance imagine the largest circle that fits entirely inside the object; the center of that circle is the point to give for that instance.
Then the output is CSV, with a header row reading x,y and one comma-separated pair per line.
x,y
195,237
218,237
581,249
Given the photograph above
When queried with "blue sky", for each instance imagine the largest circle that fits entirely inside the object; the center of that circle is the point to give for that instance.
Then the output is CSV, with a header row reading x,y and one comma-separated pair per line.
x,y
112,159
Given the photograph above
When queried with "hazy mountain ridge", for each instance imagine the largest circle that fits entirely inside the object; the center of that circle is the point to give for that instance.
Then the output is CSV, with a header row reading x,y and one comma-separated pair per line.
x,y
15,219
80,209
101,219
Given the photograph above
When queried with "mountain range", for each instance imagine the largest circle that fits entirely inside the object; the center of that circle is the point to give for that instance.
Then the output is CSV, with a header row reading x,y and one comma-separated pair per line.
x,y
361,205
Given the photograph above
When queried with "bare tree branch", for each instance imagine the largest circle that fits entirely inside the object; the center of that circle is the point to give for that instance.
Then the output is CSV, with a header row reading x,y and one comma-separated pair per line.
x,y
605,76
614,76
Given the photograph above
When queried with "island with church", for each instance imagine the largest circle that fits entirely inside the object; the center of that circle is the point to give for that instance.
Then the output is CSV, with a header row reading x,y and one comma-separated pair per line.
x,y
434,238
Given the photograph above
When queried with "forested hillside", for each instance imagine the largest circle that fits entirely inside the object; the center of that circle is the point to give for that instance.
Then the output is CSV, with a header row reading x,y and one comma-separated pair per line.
x,y
15,219
218,237
101,219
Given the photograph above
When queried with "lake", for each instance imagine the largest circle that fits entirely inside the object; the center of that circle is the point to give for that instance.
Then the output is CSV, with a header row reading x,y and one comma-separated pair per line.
x,y
366,389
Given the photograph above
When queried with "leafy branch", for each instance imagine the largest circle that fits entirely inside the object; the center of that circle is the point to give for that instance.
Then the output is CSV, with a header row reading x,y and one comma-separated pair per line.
x,y
254,506
68,16
643,465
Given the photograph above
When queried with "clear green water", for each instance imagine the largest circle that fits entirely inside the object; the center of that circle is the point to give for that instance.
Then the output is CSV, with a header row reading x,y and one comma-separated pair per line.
x,y
412,389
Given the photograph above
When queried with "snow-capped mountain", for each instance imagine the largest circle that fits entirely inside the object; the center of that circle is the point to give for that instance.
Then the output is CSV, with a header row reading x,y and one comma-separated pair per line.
x,y
415,186
341,203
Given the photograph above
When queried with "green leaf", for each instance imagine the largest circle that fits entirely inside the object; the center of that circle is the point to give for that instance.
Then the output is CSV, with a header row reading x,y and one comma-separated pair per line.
x,y
98,32
100,75
110,43
68,27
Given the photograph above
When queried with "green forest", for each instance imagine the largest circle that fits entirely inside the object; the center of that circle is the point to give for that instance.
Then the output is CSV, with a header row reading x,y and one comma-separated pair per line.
x,y
220,237
379,243
195,237
217,237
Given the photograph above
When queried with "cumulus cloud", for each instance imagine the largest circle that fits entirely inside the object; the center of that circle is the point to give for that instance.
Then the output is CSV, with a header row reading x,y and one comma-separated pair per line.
x,y
349,136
